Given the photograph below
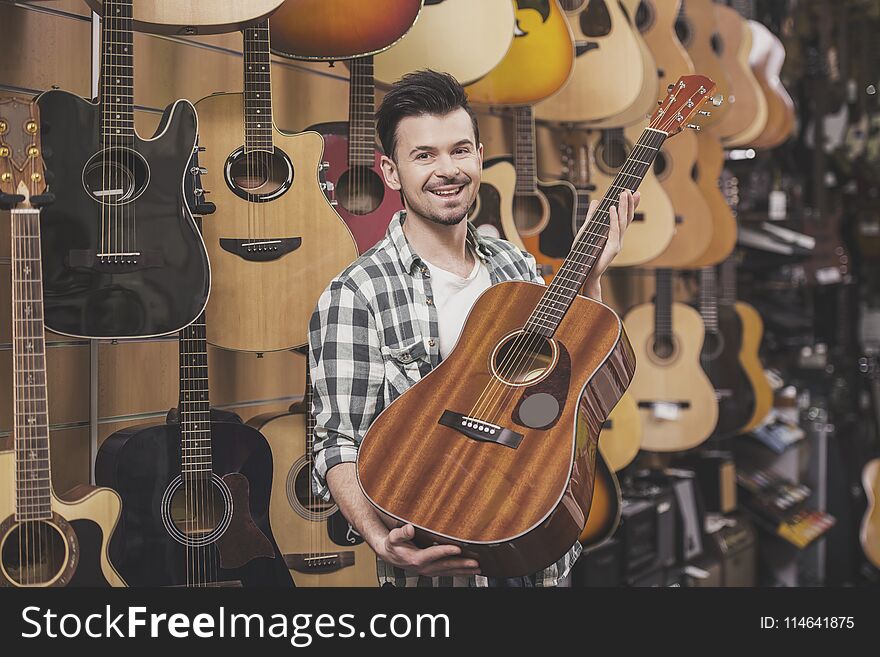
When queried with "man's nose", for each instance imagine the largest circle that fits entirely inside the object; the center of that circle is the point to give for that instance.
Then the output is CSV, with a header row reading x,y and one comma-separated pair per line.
x,y
447,167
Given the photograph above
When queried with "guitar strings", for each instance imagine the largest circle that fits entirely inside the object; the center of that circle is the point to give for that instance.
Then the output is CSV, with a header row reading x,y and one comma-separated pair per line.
x,y
530,341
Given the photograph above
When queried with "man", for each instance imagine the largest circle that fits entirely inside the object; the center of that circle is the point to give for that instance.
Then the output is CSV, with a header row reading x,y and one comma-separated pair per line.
x,y
391,316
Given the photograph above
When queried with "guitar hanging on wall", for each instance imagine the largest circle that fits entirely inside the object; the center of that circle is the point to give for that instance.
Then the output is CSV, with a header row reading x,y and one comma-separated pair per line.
x,y
122,257
275,241
449,455
45,540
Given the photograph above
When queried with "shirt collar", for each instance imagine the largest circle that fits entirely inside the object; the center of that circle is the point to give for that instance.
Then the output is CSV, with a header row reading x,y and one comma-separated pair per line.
x,y
410,259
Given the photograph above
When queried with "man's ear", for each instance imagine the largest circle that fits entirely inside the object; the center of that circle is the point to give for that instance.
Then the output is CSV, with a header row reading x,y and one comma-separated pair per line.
x,y
389,171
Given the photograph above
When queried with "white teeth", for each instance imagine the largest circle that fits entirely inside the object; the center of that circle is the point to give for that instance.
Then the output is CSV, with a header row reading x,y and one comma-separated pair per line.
x,y
451,192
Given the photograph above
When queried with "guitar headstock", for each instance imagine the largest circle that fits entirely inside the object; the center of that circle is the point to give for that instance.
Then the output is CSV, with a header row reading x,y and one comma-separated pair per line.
x,y
683,102
22,170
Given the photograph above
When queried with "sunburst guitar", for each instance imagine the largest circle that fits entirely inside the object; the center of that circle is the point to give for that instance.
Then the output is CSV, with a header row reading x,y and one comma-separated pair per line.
x,y
45,539
318,544
275,241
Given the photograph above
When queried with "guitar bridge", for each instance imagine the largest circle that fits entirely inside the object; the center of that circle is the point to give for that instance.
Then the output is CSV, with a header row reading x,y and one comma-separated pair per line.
x,y
319,564
480,430
260,250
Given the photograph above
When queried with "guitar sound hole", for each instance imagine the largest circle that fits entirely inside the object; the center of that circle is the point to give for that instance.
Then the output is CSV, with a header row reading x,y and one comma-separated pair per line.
x,y
717,44
197,509
684,32
485,211
116,176
360,190
595,19
528,213
645,16
302,488
523,359
34,553
713,345
258,176
612,155
661,163
663,348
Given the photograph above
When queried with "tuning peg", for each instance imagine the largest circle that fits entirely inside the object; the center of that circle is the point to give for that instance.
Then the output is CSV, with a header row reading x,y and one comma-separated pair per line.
x,y
327,186
717,100
693,126
704,113
323,166
669,89
200,149
198,170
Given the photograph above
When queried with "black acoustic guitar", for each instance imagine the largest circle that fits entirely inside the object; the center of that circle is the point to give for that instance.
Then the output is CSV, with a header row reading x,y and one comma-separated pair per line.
x,y
122,256
720,359
196,489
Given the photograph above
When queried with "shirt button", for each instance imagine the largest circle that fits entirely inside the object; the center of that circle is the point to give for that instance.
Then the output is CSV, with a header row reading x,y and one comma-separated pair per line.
x,y
405,357
429,301
431,343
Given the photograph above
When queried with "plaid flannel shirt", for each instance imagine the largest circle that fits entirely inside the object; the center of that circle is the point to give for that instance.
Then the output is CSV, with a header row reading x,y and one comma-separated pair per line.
x,y
374,334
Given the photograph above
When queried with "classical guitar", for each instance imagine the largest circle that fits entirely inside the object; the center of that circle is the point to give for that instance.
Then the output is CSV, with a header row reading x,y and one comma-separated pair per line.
x,y
710,162
655,20
766,59
720,358
122,257
318,544
353,159
540,60
609,69
752,333
621,435
275,241
340,29
196,489
464,38
675,397
869,533
45,539
451,454
189,17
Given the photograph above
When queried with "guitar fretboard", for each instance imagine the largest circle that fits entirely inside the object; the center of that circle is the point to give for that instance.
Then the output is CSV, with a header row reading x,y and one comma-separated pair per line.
x,y
117,74
663,304
524,151
361,113
30,406
195,417
590,241
257,89
709,299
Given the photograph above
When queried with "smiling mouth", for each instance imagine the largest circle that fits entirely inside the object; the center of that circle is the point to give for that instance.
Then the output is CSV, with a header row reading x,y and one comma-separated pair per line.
x,y
447,193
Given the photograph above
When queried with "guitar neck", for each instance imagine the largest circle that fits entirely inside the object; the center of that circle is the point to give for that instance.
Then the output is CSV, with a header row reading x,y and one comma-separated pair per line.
x,y
524,150
727,279
310,419
709,299
194,405
117,74
257,89
590,241
663,304
361,113
30,406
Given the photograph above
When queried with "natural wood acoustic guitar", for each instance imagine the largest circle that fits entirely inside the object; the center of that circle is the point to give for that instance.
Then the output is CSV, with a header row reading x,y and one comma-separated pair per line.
x,y
464,38
340,29
869,533
540,60
483,451
767,57
710,162
675,397
318,544
275,241
45,539
188,17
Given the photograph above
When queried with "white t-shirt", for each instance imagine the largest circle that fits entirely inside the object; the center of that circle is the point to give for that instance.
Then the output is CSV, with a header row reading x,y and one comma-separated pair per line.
x,y
454,297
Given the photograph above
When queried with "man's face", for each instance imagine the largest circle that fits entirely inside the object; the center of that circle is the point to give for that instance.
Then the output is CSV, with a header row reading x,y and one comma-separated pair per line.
x,y
437,166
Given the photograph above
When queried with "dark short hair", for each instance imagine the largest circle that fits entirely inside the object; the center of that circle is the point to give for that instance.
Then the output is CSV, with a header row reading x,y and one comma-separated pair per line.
x,y
417,93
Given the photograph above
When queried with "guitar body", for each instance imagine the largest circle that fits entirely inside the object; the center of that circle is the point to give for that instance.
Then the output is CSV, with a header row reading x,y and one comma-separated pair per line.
x,y
315,539
621,435
604,508
710,161
464,38
261,299
869,535
78,535
655,20
767,57
720,360
674,378
540,60
752,332
609,68
514,508
364,201
492,213
697,30
340,29
188,17
748,106
693,217
749,114
91,297
553,243
143,464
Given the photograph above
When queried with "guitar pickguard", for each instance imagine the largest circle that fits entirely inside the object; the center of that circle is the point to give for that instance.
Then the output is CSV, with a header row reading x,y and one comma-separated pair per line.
x,y
541,405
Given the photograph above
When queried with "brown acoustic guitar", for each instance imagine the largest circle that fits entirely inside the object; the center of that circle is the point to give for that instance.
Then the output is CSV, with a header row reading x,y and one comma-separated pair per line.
x,y
340,29
869,534
483,452
675,397
189,17
318,544
766,59
710,162
275,241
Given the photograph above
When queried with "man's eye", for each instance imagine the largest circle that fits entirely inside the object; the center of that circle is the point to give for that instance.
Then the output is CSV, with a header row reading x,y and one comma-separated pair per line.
x,y
462,150
422,156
